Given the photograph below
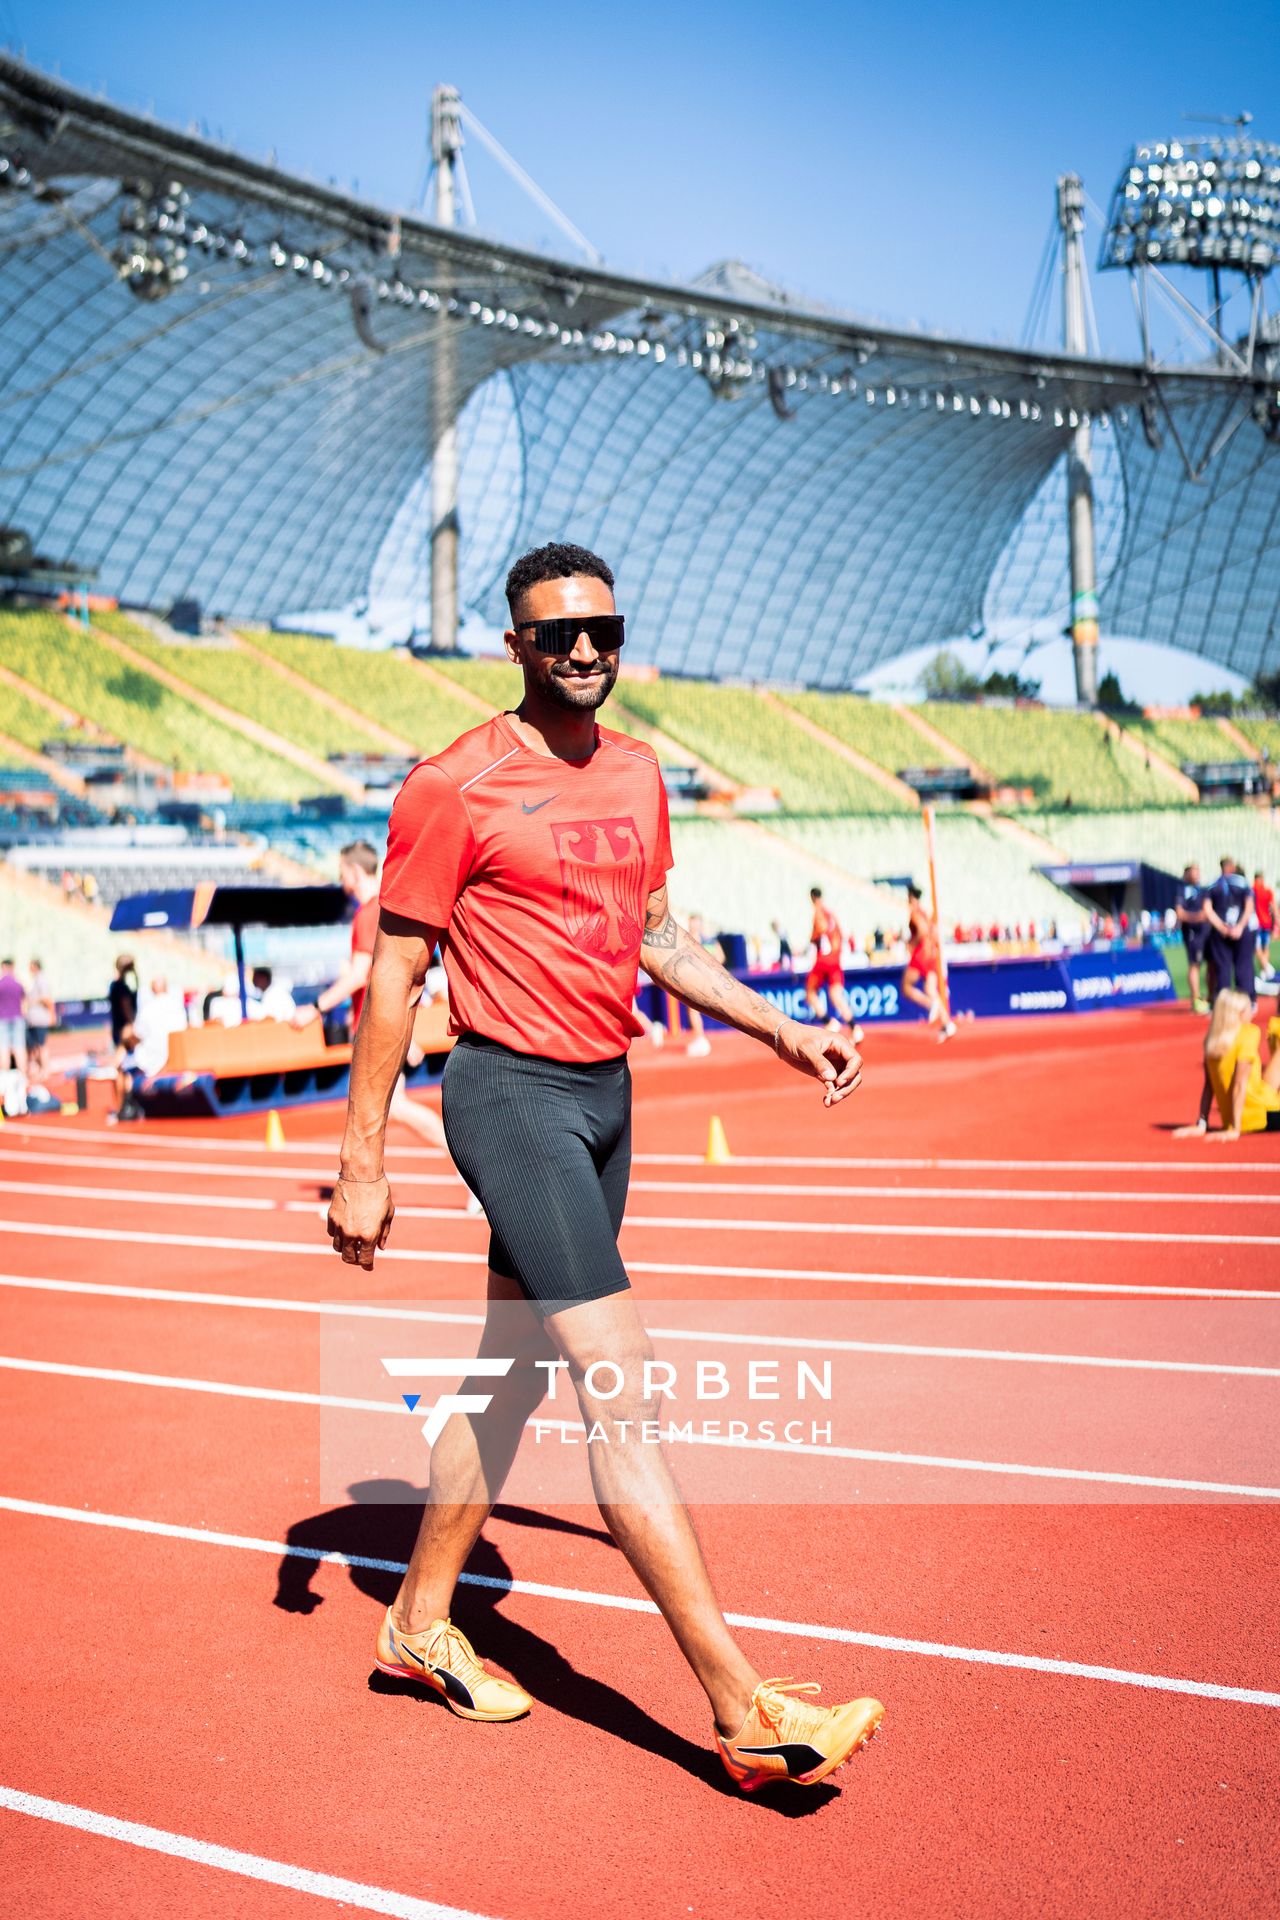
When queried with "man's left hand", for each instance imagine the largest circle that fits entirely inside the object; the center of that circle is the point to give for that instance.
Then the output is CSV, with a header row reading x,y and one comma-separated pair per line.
x,y
831,1058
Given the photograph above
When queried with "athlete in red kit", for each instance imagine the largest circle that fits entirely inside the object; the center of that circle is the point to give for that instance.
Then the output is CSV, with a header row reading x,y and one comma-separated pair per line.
x,y
534,851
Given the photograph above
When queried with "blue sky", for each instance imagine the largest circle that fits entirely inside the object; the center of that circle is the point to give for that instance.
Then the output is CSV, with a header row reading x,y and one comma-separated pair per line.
x,y
896,160
890,160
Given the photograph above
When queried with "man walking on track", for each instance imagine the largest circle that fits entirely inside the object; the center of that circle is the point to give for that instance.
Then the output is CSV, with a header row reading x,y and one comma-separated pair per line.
x,y
920,975
826,972
535,851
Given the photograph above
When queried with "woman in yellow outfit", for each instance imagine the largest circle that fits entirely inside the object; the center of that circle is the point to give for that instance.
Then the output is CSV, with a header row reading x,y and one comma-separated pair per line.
x,y
1247,1095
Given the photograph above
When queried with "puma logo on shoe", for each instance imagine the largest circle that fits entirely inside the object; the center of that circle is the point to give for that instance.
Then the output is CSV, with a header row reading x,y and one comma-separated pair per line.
x,y
799,1757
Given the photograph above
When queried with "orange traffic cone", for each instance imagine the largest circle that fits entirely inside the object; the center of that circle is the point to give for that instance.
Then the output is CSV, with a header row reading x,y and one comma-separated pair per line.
x,y
718,1154
276,1141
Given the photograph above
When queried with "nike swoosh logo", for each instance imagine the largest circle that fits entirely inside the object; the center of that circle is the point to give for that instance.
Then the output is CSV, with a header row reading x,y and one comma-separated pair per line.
x,y
539,804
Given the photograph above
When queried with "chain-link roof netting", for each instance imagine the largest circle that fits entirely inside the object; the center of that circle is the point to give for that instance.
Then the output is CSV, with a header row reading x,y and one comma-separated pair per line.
x,y
222,384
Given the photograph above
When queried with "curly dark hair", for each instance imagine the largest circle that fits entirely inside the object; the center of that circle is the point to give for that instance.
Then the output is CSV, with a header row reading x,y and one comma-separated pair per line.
x,y
558,561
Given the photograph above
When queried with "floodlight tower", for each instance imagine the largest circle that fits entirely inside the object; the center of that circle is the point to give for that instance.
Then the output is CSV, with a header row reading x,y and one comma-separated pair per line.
x,y
446,162
1080,526
1212,204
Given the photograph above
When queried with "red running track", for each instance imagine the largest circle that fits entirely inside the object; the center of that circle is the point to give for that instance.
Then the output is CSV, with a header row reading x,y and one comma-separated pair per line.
x,y
170,1668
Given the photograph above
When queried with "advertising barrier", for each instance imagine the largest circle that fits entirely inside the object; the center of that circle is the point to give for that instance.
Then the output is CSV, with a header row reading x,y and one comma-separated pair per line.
x,y
1071,982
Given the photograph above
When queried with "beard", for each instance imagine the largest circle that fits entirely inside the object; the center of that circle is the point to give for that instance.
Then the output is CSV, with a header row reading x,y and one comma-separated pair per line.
x,y
568,690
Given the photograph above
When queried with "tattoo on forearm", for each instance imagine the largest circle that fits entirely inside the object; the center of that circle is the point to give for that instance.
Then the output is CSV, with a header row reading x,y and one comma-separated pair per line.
x,y
664,935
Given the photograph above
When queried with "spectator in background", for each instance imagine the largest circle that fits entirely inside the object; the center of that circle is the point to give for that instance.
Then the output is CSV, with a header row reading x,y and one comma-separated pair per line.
x,y
41,1015
1189,909
1248,1099
128,1073
1264,908
13,1022
782,955
358,877
122,996
1228,908
159,1014
826,965
223,1006
272,999
699,1045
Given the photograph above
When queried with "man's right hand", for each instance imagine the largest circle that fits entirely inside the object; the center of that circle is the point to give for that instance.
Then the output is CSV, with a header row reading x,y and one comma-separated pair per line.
x,y
360,1216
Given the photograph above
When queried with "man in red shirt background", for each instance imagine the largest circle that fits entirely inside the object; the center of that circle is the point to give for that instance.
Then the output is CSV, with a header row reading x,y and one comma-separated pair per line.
x,y
826,974
534,851
1264,905
358,877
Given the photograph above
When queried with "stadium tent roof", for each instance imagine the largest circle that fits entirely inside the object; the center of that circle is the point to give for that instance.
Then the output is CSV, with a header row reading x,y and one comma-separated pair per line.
x,y
783,492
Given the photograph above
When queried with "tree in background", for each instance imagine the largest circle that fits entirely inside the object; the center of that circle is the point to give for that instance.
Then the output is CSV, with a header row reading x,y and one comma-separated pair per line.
x,y
1111,695
946,677
1215,705
1265,692
1011,686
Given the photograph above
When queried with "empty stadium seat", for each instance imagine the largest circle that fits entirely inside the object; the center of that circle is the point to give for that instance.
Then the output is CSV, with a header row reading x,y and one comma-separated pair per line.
x,y
1060,756
71,664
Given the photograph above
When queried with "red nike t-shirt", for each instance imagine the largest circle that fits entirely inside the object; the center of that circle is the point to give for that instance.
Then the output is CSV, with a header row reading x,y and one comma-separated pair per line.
x,y
537,872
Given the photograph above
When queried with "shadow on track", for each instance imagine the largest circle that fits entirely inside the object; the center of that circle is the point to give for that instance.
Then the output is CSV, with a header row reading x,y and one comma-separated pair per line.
x,y
381,1523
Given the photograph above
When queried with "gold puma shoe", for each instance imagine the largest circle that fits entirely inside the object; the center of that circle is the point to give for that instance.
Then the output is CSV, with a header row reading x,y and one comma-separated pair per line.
x,y
442,1658
784,1738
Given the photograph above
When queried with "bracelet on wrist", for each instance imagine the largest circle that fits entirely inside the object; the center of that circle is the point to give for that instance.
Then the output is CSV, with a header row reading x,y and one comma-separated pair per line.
x,y
777,1030
346,1180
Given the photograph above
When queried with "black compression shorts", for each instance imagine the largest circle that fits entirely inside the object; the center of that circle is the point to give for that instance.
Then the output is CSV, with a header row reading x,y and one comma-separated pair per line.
x,y
546,1146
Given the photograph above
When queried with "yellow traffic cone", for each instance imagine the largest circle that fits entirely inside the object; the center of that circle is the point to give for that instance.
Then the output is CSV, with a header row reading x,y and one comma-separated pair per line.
x,y
276,1141
718,1154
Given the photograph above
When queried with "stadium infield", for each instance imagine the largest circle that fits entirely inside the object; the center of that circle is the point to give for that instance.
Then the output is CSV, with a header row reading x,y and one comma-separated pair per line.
x,y
1080,1674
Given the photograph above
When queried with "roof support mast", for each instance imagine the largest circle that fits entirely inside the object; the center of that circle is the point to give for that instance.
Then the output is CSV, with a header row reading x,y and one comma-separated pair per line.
x,y
446,160
1080,525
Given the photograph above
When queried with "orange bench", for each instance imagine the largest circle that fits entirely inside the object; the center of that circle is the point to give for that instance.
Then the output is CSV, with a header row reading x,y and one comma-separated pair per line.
x,y
256,1046
275,1046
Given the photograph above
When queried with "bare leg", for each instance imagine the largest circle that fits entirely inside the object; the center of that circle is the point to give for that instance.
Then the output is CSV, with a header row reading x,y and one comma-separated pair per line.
x,y
918,994
641,1504
424,1121
838,1000
1193,980
470,1461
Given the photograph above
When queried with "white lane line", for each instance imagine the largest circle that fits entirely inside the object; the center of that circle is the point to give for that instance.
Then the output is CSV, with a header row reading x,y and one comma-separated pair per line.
x,y
252,1866
127,1377
627,1603
876,1229
364,1310
1075,1196
1092,1476
208,1143
820,1276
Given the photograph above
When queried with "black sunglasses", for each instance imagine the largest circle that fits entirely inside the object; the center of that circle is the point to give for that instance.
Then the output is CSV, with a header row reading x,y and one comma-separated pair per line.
x,y
604,630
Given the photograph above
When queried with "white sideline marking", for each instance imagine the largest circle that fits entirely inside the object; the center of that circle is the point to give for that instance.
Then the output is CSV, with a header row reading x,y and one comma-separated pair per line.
x,y
207,1143
327,1886
361,1310
627,1603
878,1229
234,1202
126,1376
824,1276
1075,1196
